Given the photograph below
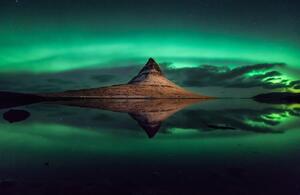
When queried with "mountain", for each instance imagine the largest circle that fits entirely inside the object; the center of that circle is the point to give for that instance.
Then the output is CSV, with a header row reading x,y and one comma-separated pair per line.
x,y
150,82
278,98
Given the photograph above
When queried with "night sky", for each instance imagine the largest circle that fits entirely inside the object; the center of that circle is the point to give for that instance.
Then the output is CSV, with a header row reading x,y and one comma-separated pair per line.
x,y
222,48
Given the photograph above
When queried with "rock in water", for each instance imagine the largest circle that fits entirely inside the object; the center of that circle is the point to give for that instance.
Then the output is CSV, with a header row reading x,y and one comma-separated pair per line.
x,y
16,115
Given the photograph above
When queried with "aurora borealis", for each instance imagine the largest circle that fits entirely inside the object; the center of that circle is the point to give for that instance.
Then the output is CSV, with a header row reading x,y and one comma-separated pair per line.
x,y
229,49
49,37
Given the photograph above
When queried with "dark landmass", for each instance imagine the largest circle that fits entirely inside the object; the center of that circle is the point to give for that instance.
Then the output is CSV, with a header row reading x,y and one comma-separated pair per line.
x,y
278,98
11,99
221,127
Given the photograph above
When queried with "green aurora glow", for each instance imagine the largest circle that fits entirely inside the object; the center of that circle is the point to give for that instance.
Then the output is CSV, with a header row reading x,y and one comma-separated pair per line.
x,y
37,54
221,48
55,37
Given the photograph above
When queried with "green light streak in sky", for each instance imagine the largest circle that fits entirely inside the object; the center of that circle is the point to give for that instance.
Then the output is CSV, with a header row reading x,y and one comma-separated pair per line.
x,y
51,52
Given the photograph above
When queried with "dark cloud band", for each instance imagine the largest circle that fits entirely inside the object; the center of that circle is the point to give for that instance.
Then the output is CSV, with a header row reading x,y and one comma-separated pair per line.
x,y
258,75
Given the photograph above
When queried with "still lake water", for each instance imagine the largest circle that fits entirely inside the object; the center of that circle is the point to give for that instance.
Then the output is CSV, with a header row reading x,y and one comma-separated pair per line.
x,y
230,146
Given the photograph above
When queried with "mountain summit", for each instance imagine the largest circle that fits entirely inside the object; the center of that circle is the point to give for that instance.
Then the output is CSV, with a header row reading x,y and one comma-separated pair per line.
x,y
150,82
150,68
151,74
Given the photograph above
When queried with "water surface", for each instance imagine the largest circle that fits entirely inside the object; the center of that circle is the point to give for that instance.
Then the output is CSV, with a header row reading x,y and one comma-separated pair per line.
x,y
229,146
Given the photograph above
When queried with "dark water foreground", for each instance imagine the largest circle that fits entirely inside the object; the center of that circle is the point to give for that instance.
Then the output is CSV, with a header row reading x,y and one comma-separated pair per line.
x,y
145,147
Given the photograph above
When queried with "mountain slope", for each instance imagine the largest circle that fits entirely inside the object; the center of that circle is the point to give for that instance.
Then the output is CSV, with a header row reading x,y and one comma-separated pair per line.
x,y
148,83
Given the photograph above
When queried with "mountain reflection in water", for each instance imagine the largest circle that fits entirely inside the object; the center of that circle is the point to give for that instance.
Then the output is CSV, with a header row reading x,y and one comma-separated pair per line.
x,y
165,115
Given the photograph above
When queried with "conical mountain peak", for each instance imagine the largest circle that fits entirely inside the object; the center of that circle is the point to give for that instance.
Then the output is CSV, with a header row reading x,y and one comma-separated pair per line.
x,y
151,68
151,60
151,65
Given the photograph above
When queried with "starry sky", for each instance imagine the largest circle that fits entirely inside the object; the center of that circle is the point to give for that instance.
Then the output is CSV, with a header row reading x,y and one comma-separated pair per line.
x,y
211,46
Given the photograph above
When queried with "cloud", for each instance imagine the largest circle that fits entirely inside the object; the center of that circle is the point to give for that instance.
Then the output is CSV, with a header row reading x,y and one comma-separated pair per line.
x,y
67,80
258,75
103,78
295,84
